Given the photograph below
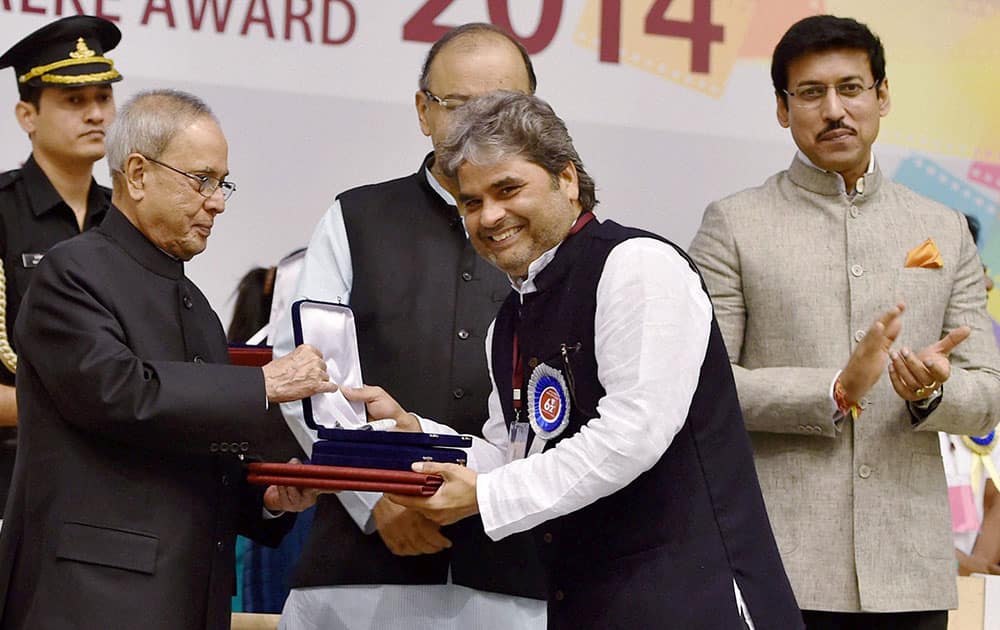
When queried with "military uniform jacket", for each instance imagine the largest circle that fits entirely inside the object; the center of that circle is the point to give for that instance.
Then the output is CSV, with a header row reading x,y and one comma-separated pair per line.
x,y
127,493
798,271
33,218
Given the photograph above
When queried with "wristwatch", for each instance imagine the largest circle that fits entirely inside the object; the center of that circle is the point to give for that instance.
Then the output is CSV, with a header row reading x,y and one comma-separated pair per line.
x,y
925,406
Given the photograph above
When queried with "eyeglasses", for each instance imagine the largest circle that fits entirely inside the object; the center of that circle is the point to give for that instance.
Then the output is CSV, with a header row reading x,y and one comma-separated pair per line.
x,y
448,103
810,96
206,185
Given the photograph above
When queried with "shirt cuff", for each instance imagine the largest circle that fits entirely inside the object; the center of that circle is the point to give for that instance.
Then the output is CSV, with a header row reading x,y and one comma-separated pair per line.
x,y
487,513
837,414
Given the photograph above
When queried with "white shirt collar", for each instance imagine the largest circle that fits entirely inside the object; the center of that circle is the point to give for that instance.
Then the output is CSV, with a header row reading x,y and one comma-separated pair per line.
x,y
438,188
843,187
527,285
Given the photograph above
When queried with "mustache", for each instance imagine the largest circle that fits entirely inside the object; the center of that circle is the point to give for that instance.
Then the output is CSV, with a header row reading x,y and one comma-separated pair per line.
x,y
834,126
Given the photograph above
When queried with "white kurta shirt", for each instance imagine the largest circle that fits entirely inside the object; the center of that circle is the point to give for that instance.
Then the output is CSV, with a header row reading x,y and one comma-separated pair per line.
x,y
651,330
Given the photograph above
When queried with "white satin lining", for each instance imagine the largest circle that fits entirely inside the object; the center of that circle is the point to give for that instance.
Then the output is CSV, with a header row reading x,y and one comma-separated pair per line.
x,y
330,328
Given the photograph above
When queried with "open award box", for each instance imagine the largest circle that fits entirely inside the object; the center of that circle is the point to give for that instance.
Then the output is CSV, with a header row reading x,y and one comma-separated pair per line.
x,y
349,455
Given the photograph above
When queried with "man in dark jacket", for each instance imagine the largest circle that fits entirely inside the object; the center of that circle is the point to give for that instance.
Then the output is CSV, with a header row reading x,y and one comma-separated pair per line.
x,y
128,488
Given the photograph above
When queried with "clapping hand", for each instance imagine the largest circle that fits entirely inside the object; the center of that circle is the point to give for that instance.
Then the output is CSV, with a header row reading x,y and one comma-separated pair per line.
x,y
915,376
867,362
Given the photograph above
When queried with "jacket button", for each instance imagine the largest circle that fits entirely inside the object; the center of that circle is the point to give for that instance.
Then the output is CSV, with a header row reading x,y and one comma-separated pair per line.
x,y
463,334
458,393
857,270
220,545
533,363
225,480
547,537
859,335
864,403
560,596
197,359
864,471
188,304
466,276
854,212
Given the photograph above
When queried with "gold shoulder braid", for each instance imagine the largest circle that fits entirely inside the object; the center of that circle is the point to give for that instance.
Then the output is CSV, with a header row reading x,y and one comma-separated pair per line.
x,y
7,355
982,448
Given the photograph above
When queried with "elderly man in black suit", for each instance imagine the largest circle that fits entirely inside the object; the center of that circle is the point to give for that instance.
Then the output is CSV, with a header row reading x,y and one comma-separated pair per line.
x,y
128,488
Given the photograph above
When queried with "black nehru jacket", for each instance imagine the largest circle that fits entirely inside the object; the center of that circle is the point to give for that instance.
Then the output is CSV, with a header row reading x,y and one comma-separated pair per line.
x,y
128,491
664,550
423,301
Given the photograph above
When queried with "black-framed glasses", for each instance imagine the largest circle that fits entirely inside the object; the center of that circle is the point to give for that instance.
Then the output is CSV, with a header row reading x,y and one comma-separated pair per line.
x,y
207,185
448,103
849,92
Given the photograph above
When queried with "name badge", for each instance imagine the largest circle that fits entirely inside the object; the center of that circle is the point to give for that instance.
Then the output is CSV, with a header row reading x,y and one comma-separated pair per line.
x,y
31,260
518,441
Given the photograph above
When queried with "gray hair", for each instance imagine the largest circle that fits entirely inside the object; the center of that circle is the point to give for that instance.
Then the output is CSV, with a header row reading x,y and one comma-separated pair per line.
x,y
502,124
148,122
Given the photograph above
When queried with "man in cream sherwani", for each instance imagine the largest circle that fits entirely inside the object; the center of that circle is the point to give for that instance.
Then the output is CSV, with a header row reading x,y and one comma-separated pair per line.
x,y
843,412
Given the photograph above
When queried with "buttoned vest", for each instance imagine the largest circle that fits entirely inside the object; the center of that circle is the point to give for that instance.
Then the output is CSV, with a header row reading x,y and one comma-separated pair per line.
x,y
664,550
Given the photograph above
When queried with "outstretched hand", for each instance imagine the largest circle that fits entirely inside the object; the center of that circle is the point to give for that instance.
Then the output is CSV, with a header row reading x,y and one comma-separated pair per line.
x,y
453,501
299,374
380,405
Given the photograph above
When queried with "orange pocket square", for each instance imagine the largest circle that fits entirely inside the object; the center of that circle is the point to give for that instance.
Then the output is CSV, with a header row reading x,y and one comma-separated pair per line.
x,y
925,255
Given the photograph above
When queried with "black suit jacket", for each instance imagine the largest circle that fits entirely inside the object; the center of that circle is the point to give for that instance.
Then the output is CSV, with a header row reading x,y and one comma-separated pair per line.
x,y
128,491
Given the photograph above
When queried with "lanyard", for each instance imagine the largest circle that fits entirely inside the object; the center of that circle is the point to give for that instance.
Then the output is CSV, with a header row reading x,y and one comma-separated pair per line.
x,y
517,378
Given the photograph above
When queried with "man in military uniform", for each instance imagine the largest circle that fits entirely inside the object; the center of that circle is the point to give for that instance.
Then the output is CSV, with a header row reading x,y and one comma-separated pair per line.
x,y
66,103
